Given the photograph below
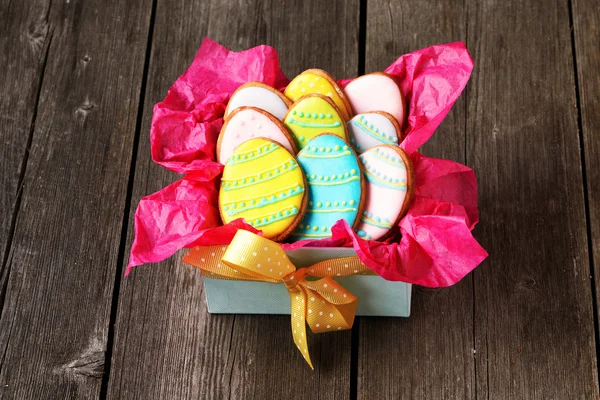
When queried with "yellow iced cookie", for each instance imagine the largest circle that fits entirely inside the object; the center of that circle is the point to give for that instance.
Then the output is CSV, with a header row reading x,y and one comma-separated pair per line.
x,y
263,184
318,81
312,115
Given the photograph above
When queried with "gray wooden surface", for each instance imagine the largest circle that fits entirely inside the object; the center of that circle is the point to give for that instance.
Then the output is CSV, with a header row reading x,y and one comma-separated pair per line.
x,y
425,355
79,82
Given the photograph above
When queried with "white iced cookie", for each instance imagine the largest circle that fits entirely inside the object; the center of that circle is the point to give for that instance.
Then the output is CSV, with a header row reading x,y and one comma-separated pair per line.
x,y
259,95
373,128
389,175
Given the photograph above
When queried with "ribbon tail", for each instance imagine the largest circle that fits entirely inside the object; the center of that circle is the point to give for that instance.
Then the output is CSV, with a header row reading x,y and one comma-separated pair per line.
x,y
330,306
298,299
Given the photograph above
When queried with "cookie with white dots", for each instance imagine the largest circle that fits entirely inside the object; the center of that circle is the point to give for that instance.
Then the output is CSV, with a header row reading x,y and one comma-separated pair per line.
x,y
389,190
320,82
247,123
259,95
335,186
372,129
377,92
263,184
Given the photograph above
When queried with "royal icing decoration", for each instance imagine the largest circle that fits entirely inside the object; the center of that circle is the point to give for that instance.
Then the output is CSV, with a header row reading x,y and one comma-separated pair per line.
x,y
263,184
258,95
318,81
376,92
312,115
334,186
372,129
387,192
247,123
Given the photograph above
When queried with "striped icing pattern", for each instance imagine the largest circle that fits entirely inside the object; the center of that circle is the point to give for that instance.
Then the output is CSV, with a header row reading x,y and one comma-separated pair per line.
x,y
334,186
386,186
263,184
311,116
370,130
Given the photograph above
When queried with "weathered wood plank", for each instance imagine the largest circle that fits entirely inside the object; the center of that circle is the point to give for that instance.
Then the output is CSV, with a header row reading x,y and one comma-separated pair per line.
x,y
63,257
534,330
166,344
586,31
24,38
429,355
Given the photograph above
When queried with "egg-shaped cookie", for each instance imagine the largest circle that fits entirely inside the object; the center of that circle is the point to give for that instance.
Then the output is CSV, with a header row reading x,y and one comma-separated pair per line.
x,y
377,92
389,190
372,129
259,95
263,183
247,123
335,186
312,115
318,81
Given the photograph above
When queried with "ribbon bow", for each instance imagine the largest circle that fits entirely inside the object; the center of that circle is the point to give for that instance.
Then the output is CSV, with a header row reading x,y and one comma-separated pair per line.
x,y
324,304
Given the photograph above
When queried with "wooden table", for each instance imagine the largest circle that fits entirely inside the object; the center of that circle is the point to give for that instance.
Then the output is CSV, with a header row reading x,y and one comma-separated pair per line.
x,y
78,81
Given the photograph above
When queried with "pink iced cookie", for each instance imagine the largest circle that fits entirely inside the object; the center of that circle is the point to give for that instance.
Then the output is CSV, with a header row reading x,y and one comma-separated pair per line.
x,y
390,177
376,92
245,123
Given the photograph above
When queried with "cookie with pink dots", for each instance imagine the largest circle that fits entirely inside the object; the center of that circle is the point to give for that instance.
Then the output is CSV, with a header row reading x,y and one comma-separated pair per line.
x,y
246,123
389,190
377,92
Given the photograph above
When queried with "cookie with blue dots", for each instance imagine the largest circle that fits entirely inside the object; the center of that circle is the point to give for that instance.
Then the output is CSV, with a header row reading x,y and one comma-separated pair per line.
x,y
335,186
263,184
371,129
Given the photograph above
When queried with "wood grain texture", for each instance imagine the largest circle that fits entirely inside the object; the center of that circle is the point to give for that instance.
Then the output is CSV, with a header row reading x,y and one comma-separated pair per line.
x,y
62,261
24,39
166,344
586,31
534,330
430,354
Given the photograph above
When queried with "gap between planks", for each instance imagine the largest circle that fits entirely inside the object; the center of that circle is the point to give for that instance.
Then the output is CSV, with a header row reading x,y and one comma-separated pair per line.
x,y
354,341
122,245
22,170
586,200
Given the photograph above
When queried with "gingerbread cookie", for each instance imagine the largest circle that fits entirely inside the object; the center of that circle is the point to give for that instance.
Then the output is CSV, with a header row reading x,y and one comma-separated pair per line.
x,y
259,95
318,81
377,92
373,128
335,186
390,177
249,122
263,184
312,115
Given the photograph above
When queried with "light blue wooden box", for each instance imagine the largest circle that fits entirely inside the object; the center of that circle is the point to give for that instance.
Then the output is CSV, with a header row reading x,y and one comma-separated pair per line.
x,y
377,297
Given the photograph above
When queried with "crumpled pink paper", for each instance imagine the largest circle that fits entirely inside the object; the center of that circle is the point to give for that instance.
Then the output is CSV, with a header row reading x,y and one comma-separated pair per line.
x,y
436,246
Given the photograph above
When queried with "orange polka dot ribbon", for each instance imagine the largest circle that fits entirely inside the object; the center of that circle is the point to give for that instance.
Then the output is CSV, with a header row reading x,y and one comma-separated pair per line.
x,y
324,304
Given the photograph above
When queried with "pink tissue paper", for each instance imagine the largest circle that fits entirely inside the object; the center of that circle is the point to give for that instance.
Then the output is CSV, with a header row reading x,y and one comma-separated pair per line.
x,y
435,247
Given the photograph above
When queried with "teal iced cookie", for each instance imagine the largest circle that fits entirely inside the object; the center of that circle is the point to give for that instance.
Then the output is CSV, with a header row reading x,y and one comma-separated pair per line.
x,y
335,186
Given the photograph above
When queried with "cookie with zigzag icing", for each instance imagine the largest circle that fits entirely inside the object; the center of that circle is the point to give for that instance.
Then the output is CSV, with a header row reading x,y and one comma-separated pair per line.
x,y
335,186
389,190
263,183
